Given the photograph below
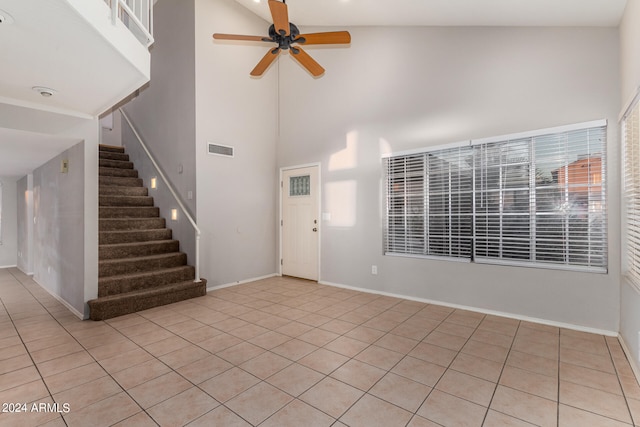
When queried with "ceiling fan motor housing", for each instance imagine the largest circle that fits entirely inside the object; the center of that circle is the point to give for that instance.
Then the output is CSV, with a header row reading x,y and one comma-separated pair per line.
x,y
284,42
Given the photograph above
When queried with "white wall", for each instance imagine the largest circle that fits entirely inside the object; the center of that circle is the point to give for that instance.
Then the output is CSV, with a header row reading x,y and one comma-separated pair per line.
x,y
181,228
64,251
59,242
630,81
629,57
9,236
201,91
90,130
164,116
164,112
236,196
396,89
25,223
57,220
111,129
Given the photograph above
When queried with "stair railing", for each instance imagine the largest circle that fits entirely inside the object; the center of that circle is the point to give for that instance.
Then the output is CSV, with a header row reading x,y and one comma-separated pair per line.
x,y
173,193
138,12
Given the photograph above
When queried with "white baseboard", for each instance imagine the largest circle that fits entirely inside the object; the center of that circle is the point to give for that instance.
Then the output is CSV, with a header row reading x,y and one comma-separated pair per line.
x,y
63,302
8,266
480,310
240,282
24,272
627,352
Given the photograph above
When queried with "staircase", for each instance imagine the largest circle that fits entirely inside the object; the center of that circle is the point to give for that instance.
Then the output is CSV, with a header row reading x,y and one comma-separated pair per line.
x,y
140,265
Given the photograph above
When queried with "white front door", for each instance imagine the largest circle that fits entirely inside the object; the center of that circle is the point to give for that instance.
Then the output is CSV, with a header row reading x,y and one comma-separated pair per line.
x,y
300,222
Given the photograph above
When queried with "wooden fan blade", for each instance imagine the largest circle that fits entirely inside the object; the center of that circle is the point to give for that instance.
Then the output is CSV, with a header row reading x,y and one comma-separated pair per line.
x,y
306,61
280,16
265,62
219,36
333,37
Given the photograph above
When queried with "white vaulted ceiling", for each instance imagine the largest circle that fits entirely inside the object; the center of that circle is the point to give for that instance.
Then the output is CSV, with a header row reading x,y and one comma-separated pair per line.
x,y
606,13
49,44
52,44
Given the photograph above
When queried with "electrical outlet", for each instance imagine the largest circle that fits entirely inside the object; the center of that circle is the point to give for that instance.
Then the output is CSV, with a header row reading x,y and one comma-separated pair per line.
x,y
189,195
374,269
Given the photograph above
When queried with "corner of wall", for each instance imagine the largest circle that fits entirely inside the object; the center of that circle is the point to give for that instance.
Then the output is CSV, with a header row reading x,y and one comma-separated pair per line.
x,y
90,221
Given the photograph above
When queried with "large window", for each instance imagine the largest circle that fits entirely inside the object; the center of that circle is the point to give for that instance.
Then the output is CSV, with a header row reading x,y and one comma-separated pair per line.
x,y
429,203
536,198
631,142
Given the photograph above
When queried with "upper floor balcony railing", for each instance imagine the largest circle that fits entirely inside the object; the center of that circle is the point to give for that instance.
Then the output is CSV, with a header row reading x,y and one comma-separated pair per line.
x,y
136,15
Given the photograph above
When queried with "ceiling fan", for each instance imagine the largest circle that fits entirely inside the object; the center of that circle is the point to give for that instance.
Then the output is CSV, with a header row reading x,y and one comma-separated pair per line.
x,y
285,34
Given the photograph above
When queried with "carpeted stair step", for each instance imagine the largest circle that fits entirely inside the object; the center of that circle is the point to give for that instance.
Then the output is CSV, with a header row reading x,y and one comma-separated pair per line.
x,y
122,283
130,236
128,212
136,249
130,302
121,224
119,181
109,190
111,148
113,156
114,267
125,201
108,163
139,265
128,173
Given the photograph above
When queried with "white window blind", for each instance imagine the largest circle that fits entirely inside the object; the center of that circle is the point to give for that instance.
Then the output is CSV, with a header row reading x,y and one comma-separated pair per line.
x,y
429,203
537,198
541,199
503,200
630,127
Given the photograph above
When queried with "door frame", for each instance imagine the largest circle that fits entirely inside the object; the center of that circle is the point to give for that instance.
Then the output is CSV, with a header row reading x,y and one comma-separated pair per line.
x,y
281,188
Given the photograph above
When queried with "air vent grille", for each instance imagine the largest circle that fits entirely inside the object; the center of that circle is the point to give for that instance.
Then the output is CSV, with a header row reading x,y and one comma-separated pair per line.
x,y
220,150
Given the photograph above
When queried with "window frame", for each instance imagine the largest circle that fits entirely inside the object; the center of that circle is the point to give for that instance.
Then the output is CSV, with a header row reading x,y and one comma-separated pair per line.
x,y
570,258
431,176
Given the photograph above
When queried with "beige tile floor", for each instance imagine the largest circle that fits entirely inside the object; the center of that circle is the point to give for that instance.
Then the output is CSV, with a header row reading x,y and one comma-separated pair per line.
x,y
285,352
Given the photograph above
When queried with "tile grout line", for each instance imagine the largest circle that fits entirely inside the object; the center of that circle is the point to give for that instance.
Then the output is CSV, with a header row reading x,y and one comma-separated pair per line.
x,y
366,392
234,366
504,365
59,317
615,368
188,380
624,395
351,358
90,355
23,342
458,352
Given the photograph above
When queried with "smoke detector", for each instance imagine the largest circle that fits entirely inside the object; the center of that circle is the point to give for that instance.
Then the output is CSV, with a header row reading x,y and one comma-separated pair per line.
x,y
5,18
47,92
